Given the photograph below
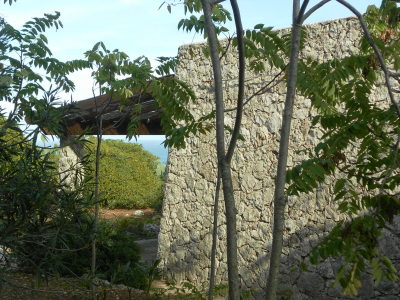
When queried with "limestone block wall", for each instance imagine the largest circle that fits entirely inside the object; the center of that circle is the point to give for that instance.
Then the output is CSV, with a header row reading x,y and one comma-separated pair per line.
x,y
71,155
185,236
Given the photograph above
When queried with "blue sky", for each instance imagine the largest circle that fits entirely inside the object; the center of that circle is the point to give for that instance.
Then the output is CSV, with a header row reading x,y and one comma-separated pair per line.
x,y
138,27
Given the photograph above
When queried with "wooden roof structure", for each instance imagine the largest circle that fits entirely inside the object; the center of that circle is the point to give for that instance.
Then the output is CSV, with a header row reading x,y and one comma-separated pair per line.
x,y
115,120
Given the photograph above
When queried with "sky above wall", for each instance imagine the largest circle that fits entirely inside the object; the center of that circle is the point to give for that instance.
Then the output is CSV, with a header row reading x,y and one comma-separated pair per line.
x,y
139,27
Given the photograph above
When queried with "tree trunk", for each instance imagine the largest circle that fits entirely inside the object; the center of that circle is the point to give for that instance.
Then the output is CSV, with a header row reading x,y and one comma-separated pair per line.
x,y
279,198
224,160
214,242
96,195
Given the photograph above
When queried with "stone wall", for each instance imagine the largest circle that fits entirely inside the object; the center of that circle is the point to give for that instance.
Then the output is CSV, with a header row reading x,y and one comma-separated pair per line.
x,y
186,226
71,155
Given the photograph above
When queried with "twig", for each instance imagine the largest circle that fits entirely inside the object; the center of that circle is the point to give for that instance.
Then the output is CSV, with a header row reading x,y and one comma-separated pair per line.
x,y
263,90
226,48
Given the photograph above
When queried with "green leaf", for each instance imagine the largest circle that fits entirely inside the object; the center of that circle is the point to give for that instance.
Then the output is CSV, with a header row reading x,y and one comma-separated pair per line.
x,y
303,266
43,138
397,63
339,185
340,195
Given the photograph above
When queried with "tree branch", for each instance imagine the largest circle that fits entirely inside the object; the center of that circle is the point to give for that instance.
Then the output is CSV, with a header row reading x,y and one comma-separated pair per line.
x,y
263,90
376,50
213,2
14,144
242,67
313,9
226,48
214,241
280,180
299,20
223,164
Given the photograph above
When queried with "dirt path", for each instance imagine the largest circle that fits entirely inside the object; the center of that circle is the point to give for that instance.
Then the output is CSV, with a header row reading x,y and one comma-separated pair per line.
x,y
113,213
149,250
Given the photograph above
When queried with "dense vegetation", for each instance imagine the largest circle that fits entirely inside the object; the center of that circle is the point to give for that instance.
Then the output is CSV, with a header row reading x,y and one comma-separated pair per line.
x,y
128,176
46,228
41,218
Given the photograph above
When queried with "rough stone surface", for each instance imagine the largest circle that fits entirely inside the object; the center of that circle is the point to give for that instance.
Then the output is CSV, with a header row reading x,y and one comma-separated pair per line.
x,y
186,226
310,284
151,227
71,155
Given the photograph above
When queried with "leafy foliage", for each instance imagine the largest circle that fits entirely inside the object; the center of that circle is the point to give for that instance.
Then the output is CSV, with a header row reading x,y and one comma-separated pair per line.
x,y
170,93
39,214
17,72
168,65
127,175
173,95
359,150
113,248
219,15
360,146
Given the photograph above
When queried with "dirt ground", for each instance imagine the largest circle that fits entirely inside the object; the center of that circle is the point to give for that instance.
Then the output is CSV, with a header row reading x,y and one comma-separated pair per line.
x,y
112,213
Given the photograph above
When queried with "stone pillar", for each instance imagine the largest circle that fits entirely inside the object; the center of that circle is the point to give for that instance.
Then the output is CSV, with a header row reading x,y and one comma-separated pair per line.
x,y
70,161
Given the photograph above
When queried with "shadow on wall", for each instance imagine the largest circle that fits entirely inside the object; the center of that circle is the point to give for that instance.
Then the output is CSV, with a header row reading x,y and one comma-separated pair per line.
x,y
293,282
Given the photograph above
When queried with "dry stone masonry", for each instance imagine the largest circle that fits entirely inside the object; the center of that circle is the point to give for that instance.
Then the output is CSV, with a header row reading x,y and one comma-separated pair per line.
x,y
185,236
71,155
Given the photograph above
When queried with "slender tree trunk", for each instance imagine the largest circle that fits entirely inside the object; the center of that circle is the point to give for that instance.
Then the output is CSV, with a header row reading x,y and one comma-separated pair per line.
x,y
279,198
224,161
223,165
214,242
296,9
96,193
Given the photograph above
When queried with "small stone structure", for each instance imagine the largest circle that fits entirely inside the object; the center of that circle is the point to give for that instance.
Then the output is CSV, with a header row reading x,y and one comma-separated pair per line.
x,y
186,226
70,158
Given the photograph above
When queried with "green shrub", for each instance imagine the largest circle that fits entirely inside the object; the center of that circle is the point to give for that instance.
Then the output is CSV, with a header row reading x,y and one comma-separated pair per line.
x,y
39,216
128,176
113,249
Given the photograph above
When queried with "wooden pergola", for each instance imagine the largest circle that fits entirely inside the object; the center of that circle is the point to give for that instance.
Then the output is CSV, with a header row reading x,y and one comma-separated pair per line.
x,y
115,120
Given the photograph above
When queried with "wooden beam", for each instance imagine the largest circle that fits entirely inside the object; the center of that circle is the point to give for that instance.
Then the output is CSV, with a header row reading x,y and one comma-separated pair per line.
x,y
84,116
126,112
88,110
149,120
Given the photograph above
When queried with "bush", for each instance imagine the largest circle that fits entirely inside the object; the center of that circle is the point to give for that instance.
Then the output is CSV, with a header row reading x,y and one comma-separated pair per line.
x,y
128,176
38,215
113,250
45,226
